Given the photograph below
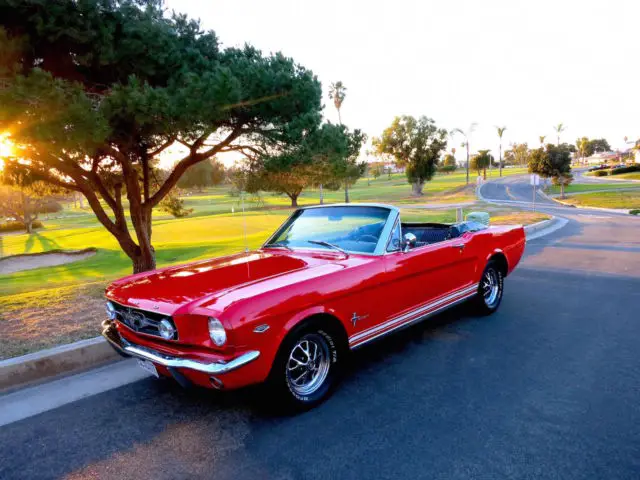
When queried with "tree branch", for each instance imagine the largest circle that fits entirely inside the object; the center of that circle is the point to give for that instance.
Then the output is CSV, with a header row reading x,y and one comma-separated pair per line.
x,y
162,147
186,162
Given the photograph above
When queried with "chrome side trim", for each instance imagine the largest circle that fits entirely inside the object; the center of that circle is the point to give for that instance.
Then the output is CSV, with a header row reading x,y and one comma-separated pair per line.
x,y
415,320
126,348
419,312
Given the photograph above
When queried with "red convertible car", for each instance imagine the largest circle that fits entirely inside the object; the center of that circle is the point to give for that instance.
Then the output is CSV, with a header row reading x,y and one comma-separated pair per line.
x,y
330,279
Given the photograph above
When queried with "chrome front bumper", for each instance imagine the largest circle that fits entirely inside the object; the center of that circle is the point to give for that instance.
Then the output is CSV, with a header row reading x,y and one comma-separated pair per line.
x,y
128,349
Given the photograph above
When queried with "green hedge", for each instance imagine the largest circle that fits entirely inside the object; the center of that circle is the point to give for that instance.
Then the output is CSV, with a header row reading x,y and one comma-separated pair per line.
x,y
14,226
632,168
601,173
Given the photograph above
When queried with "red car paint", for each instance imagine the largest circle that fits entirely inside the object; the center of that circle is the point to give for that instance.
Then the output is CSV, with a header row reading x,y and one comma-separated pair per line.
x,y
370,295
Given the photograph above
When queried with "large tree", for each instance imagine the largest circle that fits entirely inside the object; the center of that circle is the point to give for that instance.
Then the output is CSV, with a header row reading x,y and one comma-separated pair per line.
x,y
94,91
416,144
326,156
481,161
552,162
518,154
598,145
24,198
204,174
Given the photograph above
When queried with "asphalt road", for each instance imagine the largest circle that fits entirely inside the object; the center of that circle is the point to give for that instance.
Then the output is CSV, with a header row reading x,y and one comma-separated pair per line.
x,y
548,387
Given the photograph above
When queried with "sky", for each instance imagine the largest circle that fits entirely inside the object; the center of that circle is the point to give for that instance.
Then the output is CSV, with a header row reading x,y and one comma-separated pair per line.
x,y
524,65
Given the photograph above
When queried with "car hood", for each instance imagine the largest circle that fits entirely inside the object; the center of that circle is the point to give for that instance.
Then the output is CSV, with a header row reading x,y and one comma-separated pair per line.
x,y
168,289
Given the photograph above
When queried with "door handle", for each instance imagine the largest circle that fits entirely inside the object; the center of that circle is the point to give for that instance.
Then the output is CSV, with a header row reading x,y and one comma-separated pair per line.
x,y
459,246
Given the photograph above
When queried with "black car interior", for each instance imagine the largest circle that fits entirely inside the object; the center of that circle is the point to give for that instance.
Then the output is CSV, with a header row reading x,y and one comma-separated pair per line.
x,y
428,233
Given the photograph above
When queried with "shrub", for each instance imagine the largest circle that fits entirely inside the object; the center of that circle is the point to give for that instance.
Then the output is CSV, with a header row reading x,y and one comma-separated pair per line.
x,y
635,211
632,168
50,206
601,173
447,169
14,226
174,205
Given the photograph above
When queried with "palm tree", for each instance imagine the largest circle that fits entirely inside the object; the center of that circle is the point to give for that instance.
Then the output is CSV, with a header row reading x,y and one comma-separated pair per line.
x,y
337,92
581,146
542,137
559,129
500,131
465,144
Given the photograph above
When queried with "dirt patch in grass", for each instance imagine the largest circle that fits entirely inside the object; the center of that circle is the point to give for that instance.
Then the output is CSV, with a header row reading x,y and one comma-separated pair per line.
x,y
19,263
37,320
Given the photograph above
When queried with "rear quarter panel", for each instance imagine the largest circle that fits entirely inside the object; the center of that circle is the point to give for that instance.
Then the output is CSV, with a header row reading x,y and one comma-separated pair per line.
x,y
507,240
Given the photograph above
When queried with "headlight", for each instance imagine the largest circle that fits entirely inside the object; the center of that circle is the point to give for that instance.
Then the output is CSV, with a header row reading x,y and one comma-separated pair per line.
x,y
216,332
166,329
111,311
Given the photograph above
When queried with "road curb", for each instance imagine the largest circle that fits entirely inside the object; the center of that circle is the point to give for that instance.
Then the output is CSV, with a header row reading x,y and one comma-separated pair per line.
x,y
53,362
545,227
538,226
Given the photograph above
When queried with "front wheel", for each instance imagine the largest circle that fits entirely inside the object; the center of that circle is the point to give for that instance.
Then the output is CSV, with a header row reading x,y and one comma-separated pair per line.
x,y
490,289
307,367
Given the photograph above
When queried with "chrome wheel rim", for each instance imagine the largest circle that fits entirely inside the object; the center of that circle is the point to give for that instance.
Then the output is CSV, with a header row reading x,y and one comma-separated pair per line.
x,y
308,364
490,287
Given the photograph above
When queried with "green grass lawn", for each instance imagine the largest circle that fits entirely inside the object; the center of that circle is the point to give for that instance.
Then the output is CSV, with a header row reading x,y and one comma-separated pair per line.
x,y
628,199
629,176
589,187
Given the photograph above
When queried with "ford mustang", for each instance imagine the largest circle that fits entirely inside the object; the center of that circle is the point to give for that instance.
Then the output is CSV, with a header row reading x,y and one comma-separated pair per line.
x,y
329,280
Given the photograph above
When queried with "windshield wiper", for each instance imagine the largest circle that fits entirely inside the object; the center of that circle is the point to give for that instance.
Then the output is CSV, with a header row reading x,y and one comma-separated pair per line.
x,y
278,245
329,245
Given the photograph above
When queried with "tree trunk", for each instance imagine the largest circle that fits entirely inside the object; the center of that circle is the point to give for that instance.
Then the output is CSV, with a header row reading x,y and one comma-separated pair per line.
x,y
467,162
500,164
294,198
416,189
144,263
28,225
321,196
346,193
485,173
562,190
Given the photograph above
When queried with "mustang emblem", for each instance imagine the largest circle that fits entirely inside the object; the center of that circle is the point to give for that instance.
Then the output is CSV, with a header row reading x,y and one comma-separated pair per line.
x,y
355,317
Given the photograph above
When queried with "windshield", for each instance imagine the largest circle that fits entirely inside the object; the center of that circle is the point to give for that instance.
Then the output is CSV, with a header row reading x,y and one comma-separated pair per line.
x,y
354,229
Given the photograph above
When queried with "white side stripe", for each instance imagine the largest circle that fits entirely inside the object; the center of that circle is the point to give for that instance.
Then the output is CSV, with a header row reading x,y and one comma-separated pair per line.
x,y
417,313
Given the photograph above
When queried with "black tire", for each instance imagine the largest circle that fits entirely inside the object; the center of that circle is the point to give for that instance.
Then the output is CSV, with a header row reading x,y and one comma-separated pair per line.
x,y
284,371
490,289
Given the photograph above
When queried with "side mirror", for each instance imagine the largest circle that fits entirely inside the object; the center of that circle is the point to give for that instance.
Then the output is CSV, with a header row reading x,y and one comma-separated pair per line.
x,y
409,241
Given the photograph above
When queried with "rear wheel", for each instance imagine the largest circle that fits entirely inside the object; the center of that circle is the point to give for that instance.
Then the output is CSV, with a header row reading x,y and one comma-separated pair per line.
x,y
307,366
490,289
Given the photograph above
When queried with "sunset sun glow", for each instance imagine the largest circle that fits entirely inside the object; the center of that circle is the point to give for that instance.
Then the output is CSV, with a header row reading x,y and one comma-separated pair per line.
x,y
6,149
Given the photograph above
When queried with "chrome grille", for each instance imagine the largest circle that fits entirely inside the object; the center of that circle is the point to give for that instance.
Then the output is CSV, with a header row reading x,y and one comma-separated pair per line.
x,y
141,320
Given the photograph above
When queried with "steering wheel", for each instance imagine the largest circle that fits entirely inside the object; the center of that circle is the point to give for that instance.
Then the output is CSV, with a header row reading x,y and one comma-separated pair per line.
x,y
367,238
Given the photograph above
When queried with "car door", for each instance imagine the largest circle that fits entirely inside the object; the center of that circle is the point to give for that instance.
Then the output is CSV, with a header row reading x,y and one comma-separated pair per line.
x,y
429,278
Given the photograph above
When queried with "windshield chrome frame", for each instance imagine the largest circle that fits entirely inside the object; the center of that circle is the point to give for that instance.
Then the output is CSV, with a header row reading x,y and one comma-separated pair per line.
x,y
385,235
